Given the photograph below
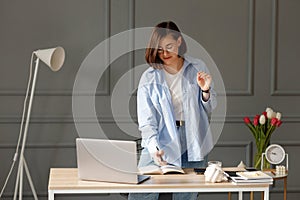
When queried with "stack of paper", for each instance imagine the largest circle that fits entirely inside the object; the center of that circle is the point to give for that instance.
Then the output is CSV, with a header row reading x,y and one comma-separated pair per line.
x,y
251,177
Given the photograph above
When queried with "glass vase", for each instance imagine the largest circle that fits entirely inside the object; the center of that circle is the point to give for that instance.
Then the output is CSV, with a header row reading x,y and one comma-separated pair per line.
x,y
258,160
261,147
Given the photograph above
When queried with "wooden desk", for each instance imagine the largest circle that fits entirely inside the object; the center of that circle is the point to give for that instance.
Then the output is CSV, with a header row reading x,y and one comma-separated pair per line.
x,y
65,181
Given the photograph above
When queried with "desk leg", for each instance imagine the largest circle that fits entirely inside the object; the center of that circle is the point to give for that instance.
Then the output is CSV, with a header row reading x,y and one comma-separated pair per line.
x,y
284,190
50,195
240,195
266,194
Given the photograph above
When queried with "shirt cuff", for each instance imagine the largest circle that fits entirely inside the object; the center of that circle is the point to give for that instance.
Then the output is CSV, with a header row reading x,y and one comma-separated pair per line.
x,y
203,101
152,146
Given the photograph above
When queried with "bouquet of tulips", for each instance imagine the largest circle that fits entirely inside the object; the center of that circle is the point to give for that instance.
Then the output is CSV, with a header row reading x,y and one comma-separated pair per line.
x,y
262,128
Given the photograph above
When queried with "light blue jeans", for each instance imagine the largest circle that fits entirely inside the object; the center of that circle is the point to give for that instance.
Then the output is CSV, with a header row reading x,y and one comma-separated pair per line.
x,y
146,159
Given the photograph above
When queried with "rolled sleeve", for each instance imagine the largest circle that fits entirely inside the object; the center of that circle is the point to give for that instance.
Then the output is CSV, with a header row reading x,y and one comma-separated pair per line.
x,y
211,103
148,124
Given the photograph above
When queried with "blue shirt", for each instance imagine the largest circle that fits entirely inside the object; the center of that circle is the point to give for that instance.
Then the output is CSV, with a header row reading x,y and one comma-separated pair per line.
x,y
156,115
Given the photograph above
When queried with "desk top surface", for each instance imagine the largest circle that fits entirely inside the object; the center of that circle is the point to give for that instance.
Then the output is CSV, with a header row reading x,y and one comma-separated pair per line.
x,y
67,178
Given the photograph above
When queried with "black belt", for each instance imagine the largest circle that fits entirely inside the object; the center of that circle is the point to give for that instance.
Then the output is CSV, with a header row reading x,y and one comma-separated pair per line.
x,y
180,123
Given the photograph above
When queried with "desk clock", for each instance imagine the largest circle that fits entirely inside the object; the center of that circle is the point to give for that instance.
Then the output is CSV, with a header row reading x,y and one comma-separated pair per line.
x,y
275,154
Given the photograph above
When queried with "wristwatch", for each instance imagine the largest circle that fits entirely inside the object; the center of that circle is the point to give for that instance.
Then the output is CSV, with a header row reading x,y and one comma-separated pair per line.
x,y
205,91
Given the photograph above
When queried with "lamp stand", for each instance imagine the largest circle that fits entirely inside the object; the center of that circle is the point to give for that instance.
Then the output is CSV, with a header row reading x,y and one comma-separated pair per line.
x,y
53,58
22,162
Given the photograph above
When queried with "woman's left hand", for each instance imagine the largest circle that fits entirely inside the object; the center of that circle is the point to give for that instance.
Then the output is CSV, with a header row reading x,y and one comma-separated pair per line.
x,y
203,80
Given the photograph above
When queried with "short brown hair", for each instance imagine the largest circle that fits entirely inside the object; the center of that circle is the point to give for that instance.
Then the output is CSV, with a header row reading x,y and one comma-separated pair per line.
x,y
160,31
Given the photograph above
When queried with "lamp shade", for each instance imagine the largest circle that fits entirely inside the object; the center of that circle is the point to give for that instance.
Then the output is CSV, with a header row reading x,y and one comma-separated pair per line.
x,y
53,57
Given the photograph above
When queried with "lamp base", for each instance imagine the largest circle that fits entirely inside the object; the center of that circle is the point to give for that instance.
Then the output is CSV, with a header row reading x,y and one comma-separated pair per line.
x,y
19,181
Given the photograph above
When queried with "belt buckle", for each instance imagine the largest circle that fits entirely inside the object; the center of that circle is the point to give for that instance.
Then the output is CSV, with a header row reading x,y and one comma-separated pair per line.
x,y
179,123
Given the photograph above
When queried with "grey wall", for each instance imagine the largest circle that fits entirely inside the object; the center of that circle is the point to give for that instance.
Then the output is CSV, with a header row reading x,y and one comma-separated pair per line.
x,y
254,44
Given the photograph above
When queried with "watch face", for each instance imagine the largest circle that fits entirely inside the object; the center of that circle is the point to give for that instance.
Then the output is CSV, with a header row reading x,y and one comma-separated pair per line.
x,y
275,154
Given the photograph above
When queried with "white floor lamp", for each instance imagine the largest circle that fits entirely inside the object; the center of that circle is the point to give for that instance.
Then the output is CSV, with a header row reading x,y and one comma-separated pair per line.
x,y
54,58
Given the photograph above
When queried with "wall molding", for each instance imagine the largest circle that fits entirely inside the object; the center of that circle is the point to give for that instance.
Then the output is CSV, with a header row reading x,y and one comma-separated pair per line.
x,y
227,144
250,50
65,92
65,119
104,91
274,56
250,56
41,146
131,25
288,118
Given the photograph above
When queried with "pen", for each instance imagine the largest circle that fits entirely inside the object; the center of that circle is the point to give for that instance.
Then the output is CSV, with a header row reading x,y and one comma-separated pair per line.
x,y
161,160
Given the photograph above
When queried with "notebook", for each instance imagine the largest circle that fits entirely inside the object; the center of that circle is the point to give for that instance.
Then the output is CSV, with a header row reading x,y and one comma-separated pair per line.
x,y
108,160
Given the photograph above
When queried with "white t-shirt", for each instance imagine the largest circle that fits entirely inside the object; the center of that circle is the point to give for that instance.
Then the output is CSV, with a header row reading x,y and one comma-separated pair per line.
x,y
174,82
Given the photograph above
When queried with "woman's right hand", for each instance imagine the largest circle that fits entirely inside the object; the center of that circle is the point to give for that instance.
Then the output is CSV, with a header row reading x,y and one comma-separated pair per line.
x,y
157,157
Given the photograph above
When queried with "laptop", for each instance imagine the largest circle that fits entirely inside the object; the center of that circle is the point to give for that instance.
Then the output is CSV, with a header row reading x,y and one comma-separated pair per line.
x,y
108,160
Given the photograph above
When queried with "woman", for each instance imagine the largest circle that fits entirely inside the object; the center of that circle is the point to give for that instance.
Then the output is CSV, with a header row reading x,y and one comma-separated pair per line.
x,y
175,96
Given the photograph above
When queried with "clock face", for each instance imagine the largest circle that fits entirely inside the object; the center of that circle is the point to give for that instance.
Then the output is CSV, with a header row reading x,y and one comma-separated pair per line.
x,y
275,154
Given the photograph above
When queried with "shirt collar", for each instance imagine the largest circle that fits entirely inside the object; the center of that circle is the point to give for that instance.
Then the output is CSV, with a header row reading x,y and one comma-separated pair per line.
x,y
186,62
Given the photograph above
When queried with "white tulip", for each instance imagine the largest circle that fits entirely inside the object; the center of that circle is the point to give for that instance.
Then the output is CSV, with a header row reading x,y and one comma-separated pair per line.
x,y
278,115
267,109
270,114
262,119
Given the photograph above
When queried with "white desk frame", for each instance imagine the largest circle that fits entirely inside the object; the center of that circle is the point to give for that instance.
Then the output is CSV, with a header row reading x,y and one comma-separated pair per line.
x,y
74,186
